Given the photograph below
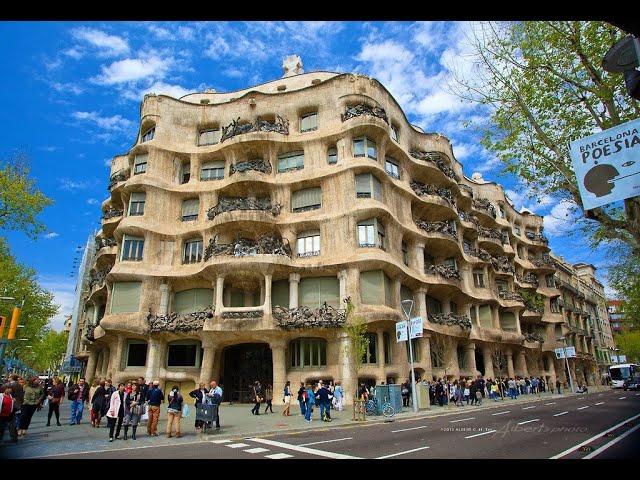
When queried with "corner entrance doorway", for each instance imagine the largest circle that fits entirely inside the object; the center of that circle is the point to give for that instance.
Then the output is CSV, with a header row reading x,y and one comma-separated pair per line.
x,y
241,366
479,361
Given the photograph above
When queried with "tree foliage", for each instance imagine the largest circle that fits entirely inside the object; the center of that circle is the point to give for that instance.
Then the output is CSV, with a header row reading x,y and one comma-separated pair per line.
x,y
543,87
20,200
628,341
356,329
624,277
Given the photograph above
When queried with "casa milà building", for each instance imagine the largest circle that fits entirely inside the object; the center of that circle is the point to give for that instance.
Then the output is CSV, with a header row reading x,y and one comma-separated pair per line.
x,y
238,224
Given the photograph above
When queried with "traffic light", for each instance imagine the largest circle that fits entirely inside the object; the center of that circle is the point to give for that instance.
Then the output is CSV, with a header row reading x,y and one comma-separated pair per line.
x,y
3,323
15,316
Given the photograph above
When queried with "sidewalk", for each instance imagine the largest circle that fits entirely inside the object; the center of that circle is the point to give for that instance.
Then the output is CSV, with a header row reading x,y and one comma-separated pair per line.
x,y
236,422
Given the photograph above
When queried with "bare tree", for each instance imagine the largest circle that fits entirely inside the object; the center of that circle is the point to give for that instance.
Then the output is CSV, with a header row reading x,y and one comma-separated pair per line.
x,y
499,359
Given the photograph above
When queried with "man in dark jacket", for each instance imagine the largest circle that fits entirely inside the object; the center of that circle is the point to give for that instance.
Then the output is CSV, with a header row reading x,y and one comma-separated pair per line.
x,y
322,398
143,388
156,397
79,395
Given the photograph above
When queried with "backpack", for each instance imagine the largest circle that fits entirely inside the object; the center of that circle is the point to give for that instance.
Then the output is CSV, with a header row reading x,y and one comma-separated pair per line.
x,y
6,407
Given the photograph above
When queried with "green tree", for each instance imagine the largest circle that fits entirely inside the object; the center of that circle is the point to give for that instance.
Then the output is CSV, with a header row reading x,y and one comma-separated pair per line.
x,y
542,86
356,329
49,350
628,341
20,200
624,277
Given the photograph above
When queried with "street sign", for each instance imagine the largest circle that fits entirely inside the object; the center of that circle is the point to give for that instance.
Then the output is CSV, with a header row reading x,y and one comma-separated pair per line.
x,y
607,165
401,331
614,359
622,359
571,352
416,327
559,353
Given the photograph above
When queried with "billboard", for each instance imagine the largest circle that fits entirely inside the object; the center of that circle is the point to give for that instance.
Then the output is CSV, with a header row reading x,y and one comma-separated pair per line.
x,y
416,327
401,331
607,165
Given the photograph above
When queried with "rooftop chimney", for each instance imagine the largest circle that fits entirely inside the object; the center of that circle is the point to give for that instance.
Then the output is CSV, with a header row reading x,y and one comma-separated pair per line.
x,y
292,65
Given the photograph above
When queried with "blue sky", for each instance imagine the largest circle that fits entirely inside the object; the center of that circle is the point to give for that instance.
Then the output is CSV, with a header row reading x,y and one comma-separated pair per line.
x,y
71,93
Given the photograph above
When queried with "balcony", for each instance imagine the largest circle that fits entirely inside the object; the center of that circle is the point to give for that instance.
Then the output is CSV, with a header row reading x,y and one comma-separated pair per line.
x,y
438,159
483,205
422,190
112,213
446,227
491,233
533,337
445,271
179,322
117,177
507,295
469,217
451,319
543,262
304,317
532,307
529,278
536,237
247,247
97,278
466,190
362,109
501,264
229,204
103,242
281,126
247,165
243,312
478,253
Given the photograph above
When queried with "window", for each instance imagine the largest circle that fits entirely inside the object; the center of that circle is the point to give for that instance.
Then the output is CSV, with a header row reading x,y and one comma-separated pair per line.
x,y
451,262
555,307
136,353
478,278
428,260
308,352
184,354
306,199
370,355
125,297
365,147
136,203
434,306
505,238
190,209
309,244
391,167
132,248
551,283
371,233
375,288
192,300
517,230
290,161
394,133
148,135
368,186
192,251
209,137
502,286
314,291
309,122
405,254
140,164
467,245
185,172
212,170
501,211
332,155
415,349
387,348
462,358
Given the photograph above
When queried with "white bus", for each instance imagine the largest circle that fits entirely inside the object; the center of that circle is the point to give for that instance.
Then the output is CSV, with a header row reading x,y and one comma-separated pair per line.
x,y
621,372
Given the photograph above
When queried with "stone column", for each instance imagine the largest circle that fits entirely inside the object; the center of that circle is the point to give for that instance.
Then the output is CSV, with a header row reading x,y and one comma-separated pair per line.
x,y
517,315
510,371
488,362
342,277
421,303
106,358
267,295
219,291
471,359
153,360
381,356
446,305
419,256
521,364
208,357
279,367
495,316
347,376
552,369
91,365
453,368
261,293
116,365
294,282
163,309
425,355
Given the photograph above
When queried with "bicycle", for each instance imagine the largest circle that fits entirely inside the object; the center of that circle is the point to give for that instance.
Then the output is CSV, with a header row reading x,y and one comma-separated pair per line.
x,y
387,409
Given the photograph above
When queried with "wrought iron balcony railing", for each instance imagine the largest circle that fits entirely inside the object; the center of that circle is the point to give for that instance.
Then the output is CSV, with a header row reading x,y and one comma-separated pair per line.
x,y
249,314
483,204
228,204
89,334
502,264
244,166
439,159
446,271
246,247
304,317
281,125
489,233
507,295
542,262
362,109
446,227
112,213
309,254
480,253
445,193
529,278
469,217
117,177
536,237
533,337
98,277
179,322
534,308
461,321
103,242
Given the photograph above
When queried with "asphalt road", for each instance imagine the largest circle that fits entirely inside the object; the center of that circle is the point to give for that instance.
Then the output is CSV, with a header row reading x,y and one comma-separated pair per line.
x,y
598,425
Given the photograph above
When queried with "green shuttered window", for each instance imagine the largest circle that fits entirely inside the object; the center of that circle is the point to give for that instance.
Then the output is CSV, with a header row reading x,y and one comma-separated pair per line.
x,y
290,161
140,164
308,352
125,297
375,288
306,199
368,186
212,170
485,316
280,293
190,209
193,300
313,292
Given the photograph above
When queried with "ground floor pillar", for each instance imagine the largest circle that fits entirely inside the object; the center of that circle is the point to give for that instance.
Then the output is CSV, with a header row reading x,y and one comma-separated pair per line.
x,y
279,367
488,362
91,366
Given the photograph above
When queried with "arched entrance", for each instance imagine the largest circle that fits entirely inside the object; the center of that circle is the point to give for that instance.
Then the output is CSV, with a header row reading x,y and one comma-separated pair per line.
x,y
241,366
479,361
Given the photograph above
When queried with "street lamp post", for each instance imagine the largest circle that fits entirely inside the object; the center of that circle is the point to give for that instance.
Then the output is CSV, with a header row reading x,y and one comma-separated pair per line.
x,y
566,360
407,306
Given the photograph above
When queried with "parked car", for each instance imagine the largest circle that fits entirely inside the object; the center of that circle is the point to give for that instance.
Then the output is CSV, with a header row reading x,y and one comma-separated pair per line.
x,y
631,384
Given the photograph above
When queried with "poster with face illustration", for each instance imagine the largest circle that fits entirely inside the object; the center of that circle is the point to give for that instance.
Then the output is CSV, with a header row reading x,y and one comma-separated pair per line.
x,y
607,165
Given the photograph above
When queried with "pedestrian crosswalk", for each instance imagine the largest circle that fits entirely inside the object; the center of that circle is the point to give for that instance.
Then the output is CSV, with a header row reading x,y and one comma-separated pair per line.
x,y
252,449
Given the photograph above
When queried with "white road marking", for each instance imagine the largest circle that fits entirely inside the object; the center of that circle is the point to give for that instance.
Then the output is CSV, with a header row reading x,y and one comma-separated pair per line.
x,y
220,441
407,429
256,450
501,413
622,398
637,394
462,420
529,421
115,449
479,434
551,403
325,441
582,408
611,443
559,414
527,408
599,403
237,445
589,440
278,456
297,448
401,453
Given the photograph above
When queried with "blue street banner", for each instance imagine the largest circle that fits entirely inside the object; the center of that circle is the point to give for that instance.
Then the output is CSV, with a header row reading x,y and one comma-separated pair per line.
x,y
607,165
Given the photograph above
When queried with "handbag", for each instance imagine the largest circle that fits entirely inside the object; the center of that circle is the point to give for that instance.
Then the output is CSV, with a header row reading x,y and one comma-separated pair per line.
x,y
185,410
135,410
144,417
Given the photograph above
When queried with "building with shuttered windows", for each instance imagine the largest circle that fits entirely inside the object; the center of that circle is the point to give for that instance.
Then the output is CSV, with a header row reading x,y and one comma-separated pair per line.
x,y
238,224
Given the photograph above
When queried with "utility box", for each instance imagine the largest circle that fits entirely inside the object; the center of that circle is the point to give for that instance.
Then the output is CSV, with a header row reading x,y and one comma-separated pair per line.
x,y
391,394
423,396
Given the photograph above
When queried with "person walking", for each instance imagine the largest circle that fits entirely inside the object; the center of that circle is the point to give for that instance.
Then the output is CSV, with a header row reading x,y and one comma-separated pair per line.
x,y
338,397
92,390
115,412
200,394
258,397
174,411
156,397
132,411
79,395
108,391
286,398
310,402
7,413
559,387
404,391
268,397
302,392
440,393
17,392
55,396
33,398
322,396
215,394
98,400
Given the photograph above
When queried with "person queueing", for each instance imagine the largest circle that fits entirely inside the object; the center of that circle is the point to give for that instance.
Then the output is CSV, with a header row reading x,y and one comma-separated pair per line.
x,y
33,398
268,398
200,394
132,411
155,398
108,391
92,390
115,413
97,403
55,396
174,411
324,402
7,413
257,397
286,399
302,399
215,394
310,402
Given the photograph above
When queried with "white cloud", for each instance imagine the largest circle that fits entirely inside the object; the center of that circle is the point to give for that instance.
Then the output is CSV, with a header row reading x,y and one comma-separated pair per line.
x,y
533,203
113,123
560,220
233,72
93,201
186,33
52,64
51,235
159,88
63,290
74,52
108,45
67,88
133,70
49,148
159,32
72,185
488,165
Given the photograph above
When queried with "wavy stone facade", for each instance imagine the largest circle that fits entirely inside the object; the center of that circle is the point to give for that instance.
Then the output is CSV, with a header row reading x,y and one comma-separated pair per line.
x,y
394,218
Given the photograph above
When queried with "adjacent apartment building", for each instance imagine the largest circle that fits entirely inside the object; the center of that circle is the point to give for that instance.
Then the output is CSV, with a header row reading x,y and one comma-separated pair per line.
x,y
239,224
